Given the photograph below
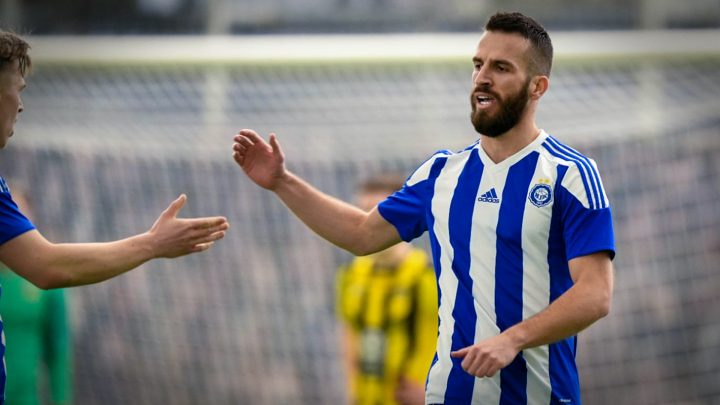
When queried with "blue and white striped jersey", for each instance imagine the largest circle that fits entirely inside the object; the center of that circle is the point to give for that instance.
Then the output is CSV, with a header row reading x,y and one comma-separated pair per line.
x,y
501,237
12,223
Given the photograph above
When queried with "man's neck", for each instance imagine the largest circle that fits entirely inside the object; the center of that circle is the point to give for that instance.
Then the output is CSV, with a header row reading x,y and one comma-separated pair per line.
x,y
502,147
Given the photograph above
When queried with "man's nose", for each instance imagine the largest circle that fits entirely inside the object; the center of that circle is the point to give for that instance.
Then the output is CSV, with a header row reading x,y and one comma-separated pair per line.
x,y
482,79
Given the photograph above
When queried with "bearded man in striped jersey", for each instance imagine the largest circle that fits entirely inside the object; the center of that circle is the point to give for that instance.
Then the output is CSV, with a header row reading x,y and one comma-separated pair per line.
x,y
519,224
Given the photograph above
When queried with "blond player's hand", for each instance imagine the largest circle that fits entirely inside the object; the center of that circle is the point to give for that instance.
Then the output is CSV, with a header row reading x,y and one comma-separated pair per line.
x,y
487,357
262,162
172,236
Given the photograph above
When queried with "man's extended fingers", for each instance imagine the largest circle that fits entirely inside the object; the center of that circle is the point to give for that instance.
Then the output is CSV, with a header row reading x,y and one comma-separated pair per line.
x,y
467,363
458,354
239,147
243,141
252,136
475,365
246,131
239,158
274,144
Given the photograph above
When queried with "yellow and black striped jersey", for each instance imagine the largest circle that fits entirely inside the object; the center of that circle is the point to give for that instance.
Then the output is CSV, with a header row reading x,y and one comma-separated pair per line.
x,y
392,314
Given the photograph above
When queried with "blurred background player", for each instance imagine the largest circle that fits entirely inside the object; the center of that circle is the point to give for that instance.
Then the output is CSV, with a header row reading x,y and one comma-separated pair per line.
x,y
388,304
39,361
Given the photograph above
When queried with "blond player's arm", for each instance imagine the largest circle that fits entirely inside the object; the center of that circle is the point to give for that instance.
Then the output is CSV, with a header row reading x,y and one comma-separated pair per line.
x,y
339,222
53,265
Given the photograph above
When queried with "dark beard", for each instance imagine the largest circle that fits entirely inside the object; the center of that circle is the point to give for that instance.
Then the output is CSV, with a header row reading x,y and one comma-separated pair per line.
x,y
510,113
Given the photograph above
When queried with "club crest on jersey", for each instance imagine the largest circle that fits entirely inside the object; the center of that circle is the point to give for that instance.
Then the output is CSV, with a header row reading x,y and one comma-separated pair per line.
x,y
541,193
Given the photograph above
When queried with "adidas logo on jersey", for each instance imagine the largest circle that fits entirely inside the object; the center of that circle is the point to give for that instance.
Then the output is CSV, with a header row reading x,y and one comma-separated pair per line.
x,y
490,197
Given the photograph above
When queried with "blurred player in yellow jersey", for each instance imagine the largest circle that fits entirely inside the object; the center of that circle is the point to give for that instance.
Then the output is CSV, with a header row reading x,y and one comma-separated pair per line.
x,y
388,304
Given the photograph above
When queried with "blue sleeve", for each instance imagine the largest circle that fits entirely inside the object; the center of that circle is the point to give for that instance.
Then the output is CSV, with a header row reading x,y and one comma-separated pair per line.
x,y
12,222
585,230
405,209
408,208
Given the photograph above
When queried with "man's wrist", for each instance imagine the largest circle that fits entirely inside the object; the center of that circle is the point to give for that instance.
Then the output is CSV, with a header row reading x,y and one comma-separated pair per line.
x,y
147,246
517,337
284,182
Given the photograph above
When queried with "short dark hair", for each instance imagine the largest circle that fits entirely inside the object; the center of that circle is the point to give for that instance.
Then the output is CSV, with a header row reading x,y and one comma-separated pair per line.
x,y
382,183
518,23
12,48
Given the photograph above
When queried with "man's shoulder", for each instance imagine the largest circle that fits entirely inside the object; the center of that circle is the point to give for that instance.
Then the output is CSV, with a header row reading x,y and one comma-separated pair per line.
x,y
562,153
432,165
580,176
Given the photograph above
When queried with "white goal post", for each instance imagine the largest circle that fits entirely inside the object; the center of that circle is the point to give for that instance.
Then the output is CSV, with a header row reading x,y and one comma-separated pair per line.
x,y
338,48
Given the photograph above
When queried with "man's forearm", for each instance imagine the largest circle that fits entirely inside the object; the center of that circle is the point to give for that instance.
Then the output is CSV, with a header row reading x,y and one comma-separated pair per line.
x,y
572,312
584,303
87,263
49,265
340,223
72,264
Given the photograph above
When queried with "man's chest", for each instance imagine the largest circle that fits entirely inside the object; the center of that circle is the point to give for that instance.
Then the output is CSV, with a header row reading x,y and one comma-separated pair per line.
x,y
515,205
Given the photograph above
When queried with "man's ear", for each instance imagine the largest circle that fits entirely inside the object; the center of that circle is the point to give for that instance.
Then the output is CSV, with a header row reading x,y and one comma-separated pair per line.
x,y
538,86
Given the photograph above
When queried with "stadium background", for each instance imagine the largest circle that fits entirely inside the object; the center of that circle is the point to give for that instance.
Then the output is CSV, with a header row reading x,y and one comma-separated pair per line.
x,y
107,143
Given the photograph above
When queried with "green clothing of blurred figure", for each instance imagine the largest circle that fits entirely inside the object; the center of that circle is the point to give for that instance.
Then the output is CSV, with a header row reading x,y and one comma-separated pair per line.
x,y
37,335
38,356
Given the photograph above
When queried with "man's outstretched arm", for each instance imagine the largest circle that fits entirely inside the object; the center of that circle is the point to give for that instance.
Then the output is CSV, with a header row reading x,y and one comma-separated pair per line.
x,y
51,265
340,223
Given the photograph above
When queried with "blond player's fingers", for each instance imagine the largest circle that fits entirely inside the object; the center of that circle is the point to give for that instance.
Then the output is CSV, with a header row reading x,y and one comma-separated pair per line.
x,y
218,228
209,222
205,238
201,247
